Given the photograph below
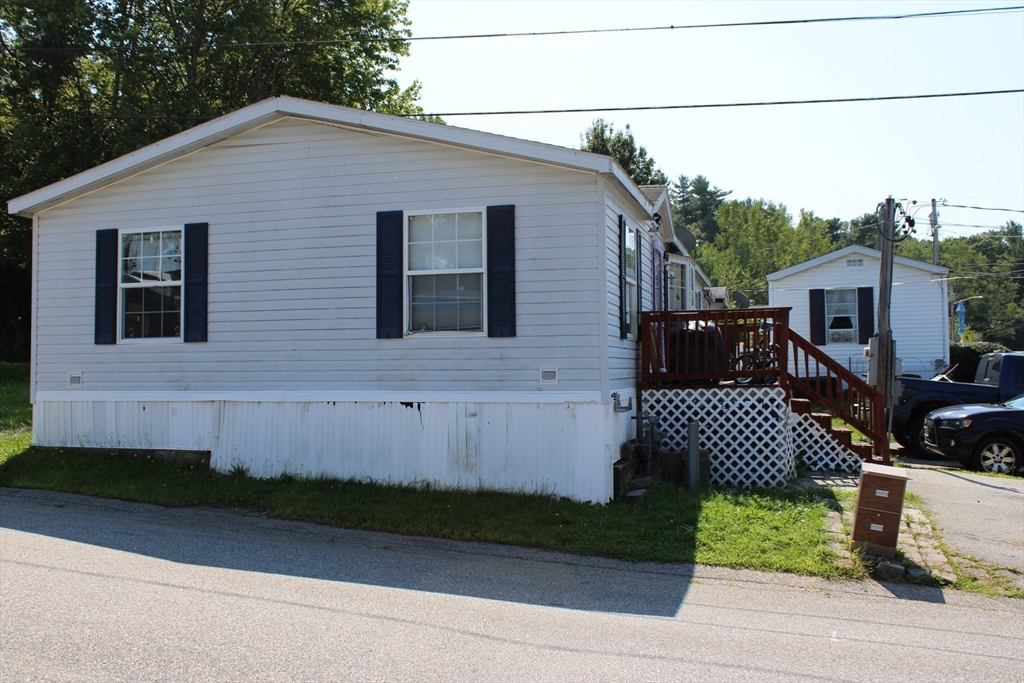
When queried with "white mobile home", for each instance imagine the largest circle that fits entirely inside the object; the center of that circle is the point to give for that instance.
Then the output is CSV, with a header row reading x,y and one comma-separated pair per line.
x,y
306,288
834,299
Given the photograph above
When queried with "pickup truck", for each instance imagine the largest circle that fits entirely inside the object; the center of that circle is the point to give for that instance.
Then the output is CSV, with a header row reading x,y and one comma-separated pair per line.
x,y
1000,378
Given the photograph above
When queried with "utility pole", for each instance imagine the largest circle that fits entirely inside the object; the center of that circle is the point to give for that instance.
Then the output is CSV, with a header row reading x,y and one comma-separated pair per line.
x,y
933,218
883,380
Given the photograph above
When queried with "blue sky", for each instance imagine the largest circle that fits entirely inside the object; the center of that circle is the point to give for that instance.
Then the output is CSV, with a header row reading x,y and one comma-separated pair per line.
x,y
834,159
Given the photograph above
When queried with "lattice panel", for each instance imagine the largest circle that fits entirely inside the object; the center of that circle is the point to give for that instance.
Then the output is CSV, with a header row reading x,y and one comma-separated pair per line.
x,y
815,449
746,431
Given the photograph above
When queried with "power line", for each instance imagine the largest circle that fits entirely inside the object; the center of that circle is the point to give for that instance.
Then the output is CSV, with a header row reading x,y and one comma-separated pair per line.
x,y
536,34
837,100
982,208
769,103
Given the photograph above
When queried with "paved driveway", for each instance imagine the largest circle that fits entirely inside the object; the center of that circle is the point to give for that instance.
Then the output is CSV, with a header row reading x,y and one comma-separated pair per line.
x,y
979,515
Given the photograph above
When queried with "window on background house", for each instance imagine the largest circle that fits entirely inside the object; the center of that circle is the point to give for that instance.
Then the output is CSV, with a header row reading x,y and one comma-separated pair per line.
x,y
445,270
150,284
841,316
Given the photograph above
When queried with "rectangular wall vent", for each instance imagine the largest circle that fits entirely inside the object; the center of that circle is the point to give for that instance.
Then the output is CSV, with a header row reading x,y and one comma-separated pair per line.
x,y
854,263
75,380
549,375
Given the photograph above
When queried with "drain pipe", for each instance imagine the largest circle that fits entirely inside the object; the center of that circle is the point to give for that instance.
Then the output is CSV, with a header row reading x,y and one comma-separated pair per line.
x,y
692,455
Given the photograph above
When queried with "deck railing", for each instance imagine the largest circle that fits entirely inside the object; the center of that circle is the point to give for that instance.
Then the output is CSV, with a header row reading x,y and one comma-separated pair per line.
x,y
755,346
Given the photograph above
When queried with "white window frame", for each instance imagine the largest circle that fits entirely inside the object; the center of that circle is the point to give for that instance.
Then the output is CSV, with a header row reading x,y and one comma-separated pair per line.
x,y
407,275
855,316
632,305
121,286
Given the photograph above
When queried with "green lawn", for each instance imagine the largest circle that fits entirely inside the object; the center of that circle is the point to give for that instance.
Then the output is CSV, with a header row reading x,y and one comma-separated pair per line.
x,y
765,530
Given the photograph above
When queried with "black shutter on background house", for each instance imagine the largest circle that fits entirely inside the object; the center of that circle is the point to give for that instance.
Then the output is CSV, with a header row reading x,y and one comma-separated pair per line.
x,y
865,314
501,271
196,270
623,313
106,287
389,274
817,310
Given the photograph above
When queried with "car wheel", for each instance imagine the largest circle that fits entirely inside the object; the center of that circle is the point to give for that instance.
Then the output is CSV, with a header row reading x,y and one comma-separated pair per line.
x,y
997,454
901,439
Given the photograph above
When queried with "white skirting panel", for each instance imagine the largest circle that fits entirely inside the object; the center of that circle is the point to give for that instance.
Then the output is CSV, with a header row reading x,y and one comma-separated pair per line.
x,y
564,449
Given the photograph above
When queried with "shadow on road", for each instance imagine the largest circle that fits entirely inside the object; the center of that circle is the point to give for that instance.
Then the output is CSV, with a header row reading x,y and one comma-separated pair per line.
x,y
241,542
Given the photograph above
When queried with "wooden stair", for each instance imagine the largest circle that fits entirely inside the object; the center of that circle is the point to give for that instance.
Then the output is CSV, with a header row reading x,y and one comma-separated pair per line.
x,y
842,435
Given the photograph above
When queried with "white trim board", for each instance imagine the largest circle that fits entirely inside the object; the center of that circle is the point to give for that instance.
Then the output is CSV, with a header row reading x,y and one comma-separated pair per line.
x,y
79,395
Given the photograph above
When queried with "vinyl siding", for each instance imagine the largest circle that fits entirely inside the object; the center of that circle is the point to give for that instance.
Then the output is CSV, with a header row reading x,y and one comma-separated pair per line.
x,y
292,280
918,314
623,354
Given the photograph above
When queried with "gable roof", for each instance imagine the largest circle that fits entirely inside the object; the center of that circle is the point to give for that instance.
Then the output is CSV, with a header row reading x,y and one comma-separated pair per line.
x,y
855,249
273,109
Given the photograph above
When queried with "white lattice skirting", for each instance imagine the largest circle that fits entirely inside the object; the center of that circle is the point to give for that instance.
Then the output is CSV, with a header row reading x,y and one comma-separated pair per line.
x,y
745,430
750,433
815,449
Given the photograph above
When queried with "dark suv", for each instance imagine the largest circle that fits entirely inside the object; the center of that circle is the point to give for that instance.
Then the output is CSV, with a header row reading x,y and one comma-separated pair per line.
x,y
988,436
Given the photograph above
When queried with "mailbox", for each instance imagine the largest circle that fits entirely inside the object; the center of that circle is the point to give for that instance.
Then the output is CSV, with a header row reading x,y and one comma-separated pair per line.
x,y
876,520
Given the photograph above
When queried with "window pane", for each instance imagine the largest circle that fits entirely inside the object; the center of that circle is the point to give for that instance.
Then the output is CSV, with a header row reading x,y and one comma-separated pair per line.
x,y
470,287
150,244
471,254
133,300
842,309
471,226
421,257
151,324
170,268
420,229
151,268
172,298
469,316
132,326
172,324
422,317
841,322
131,245
446,316
444,227
170,243
152,300
631,254
444,256
841,296
131,270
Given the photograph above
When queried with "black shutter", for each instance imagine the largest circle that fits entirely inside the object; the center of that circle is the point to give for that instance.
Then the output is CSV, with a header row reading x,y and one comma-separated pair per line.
x,y
623,314
865,314
390,241
196,267
106,287
501,271
817,301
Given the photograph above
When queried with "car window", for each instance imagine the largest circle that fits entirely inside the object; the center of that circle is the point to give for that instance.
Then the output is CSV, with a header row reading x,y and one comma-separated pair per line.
x,y
1016,402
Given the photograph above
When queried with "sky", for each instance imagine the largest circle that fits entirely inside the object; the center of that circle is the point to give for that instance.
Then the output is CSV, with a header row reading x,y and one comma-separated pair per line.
x,y
837,160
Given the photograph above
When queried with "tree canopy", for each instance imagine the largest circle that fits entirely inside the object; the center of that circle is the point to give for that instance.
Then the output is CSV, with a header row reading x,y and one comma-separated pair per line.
x,y
602,138
694,203
85,81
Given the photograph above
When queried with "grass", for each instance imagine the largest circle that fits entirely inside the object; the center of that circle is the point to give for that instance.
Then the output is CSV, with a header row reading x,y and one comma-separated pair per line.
x,y
765,530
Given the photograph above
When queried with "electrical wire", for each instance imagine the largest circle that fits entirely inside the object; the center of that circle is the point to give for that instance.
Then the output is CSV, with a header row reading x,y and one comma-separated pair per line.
x,y
536,34
981,208
767,103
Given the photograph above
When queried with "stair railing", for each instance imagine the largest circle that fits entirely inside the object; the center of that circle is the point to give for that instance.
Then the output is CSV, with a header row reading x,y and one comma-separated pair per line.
x,y
841,392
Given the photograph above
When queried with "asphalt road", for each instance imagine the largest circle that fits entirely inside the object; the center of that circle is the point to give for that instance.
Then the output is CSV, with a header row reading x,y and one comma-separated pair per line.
x,y
979,515
94,589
